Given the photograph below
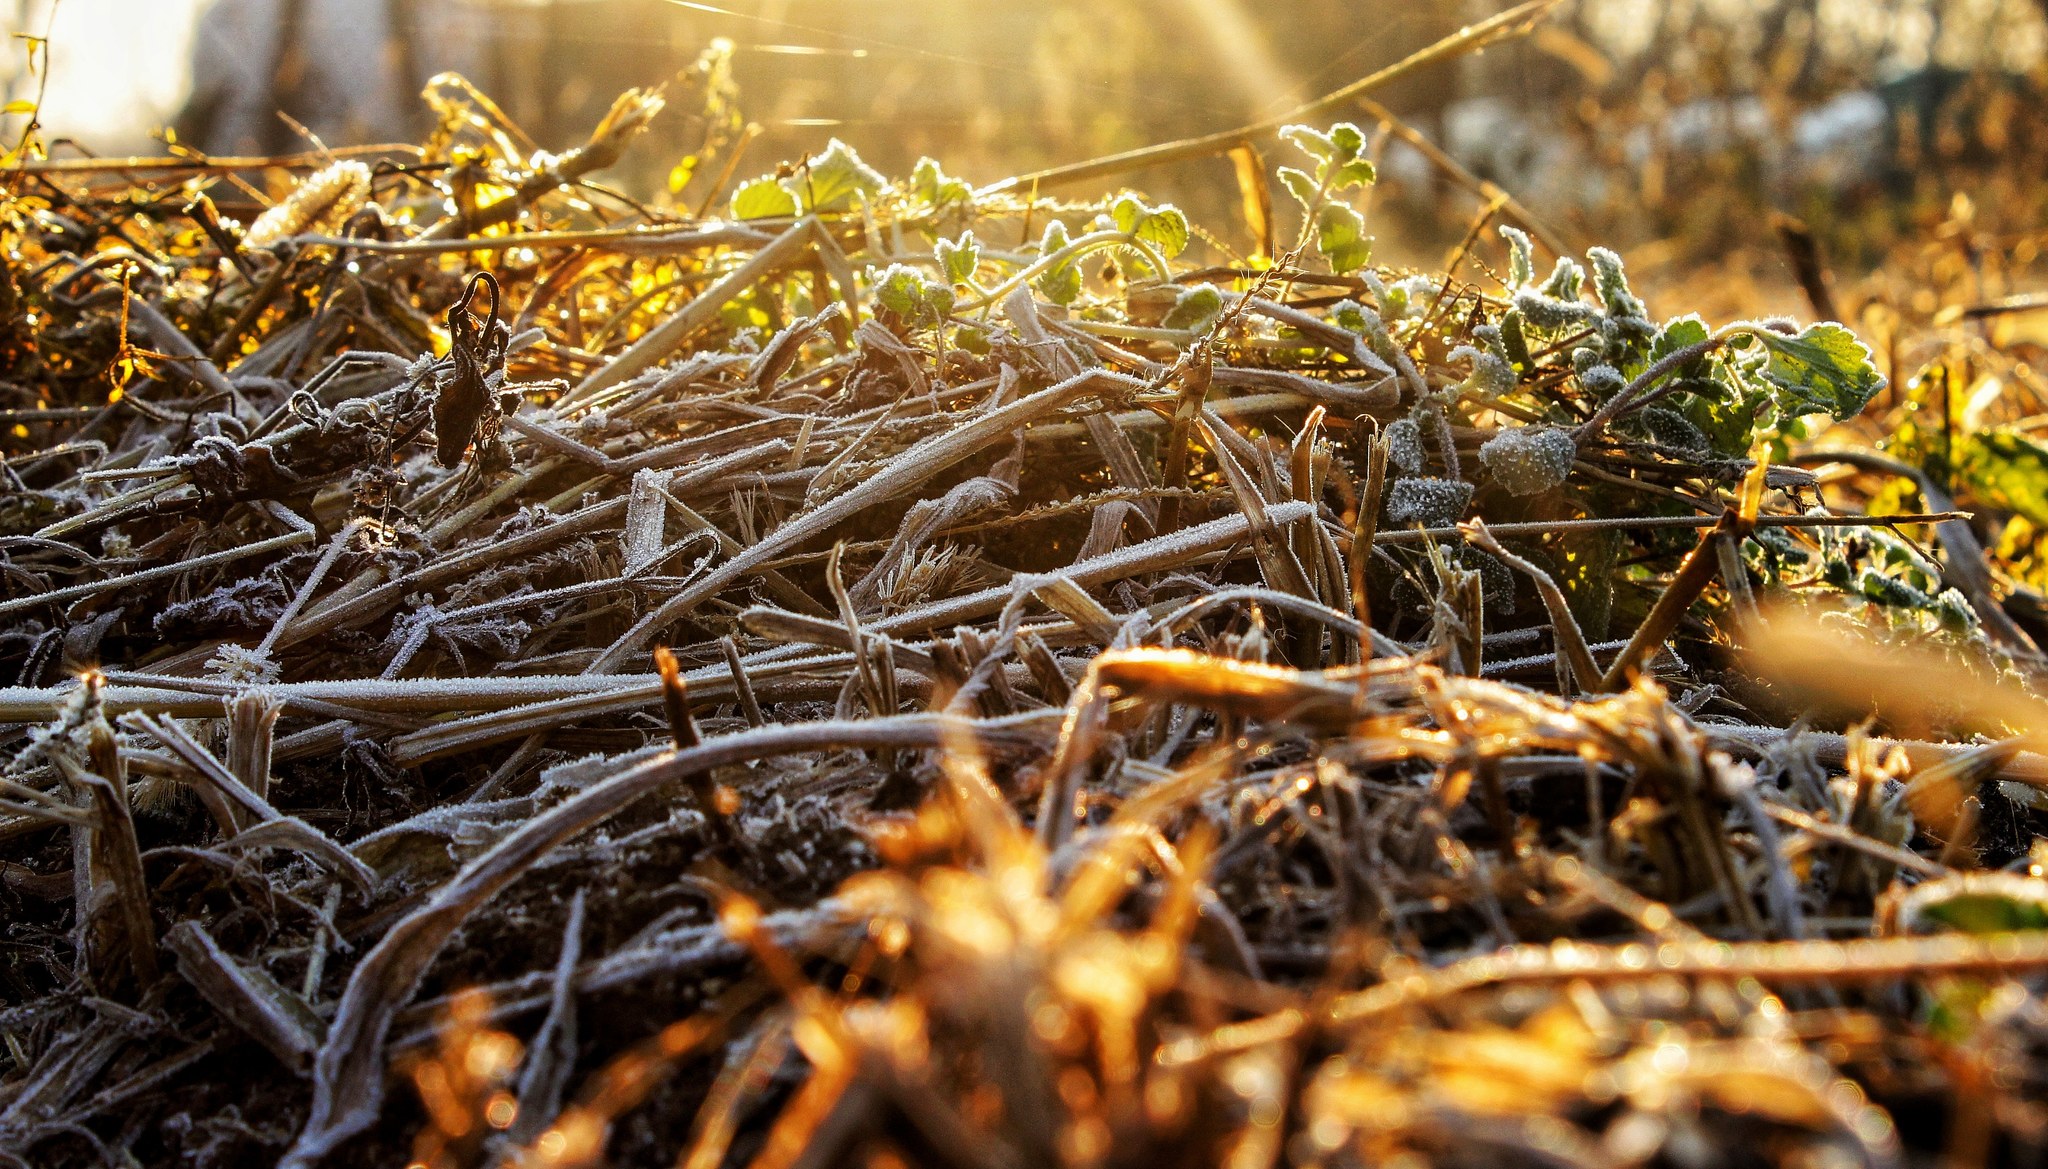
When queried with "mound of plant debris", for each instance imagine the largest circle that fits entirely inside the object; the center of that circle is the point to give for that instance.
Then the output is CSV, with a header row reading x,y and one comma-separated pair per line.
x,y
901,673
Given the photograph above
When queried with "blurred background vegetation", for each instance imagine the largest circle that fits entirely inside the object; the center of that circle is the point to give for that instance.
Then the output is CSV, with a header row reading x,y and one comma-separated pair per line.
x,y
1672,130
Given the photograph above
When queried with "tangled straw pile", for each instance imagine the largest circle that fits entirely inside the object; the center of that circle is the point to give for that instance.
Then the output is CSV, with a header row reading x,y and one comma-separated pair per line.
x,y
508,675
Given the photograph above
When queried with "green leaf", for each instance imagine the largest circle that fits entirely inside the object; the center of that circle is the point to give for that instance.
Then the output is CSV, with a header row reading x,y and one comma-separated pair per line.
x,y
1166,229
2005,469
1127,212
1731,419
1610,283
900,289
1299,185
681,173
1565,281
1676,335
1358,172
1310,141
762,198
1981,903
1822,370
1514,342
974,339
1061,283
835,179
1348,139
1521,256
1340,236
1194,308
935,188
958,260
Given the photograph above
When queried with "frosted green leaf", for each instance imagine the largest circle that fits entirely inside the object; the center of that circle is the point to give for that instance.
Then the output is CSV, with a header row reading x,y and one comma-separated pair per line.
x,y
1880,589
1358,172
1166,229
1299,184
1822,370
1348,140
763,198
1677,334
1126,213
935,188
1610,283
1491,374
835,179
1552,315
1669,428
1061,283
1601,381
1489,338
958,259
1566,280
1194,308
1521,256
937,298
1429,423
1367,324
1433,503
1514,344
1529,460
1497,583
900,289
1341,238
1310,141
1404,445
1954,613
974,339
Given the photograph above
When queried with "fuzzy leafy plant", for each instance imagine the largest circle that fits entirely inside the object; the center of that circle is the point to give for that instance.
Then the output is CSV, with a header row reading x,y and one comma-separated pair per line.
x,y
1339,166
1681,384
834,179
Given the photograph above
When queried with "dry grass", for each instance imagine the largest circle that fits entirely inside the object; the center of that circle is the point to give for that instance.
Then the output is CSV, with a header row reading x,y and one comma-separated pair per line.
x,y
511,676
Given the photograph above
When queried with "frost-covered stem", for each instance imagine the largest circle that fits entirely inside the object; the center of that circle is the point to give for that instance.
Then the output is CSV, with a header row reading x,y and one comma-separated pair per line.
x,y
1092,242
907,471
73,592
313,579
1314,328
1410,374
